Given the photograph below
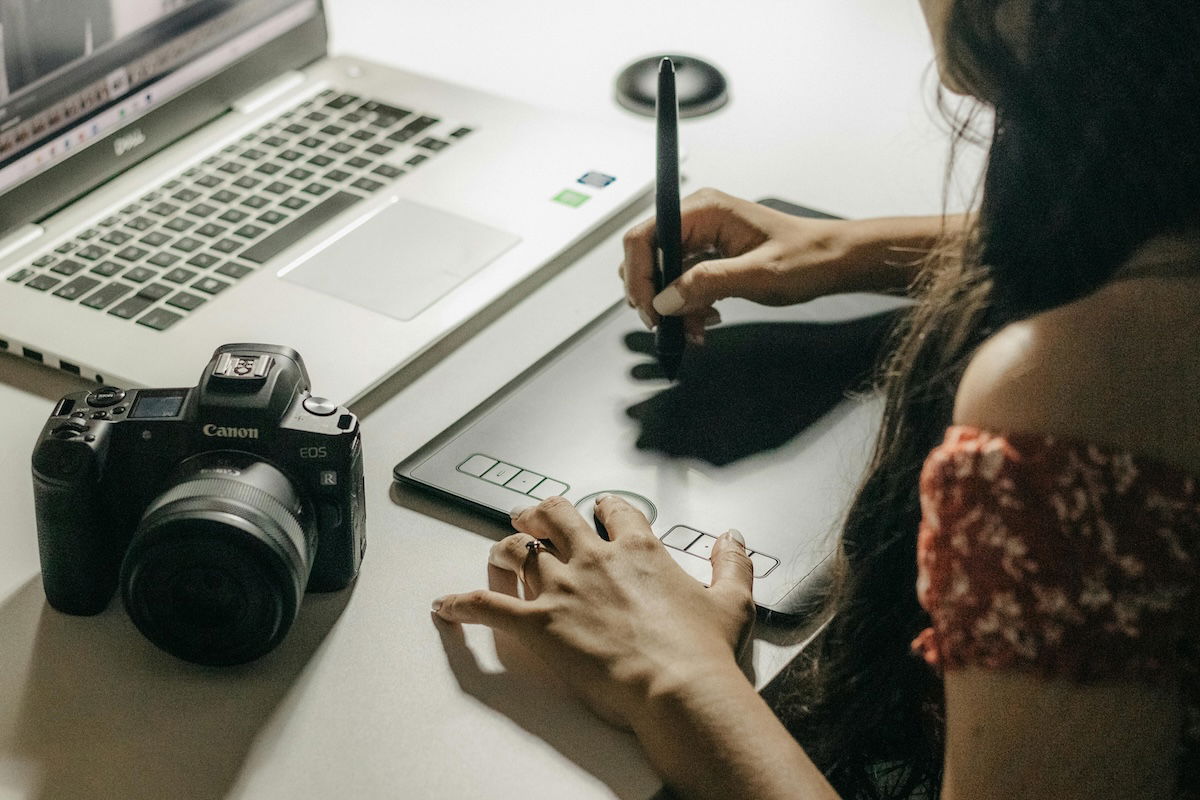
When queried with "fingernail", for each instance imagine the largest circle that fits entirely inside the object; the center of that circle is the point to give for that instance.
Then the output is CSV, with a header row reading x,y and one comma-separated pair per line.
x,y
647,320
668,301
694,339
518,510
713,318
736,535
437,603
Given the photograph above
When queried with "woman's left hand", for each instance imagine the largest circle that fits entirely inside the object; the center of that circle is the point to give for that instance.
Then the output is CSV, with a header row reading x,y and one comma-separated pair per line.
x,y
619,620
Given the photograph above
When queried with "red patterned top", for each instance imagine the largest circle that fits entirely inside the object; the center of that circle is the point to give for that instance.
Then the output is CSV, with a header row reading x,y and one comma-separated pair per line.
x,y
1058,557
1064,559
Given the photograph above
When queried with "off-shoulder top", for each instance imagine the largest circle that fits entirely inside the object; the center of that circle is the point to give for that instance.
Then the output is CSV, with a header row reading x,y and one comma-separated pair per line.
x,y
1060,558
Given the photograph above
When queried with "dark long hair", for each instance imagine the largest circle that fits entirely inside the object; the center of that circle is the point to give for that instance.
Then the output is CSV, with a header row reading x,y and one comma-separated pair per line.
x,y
1095,148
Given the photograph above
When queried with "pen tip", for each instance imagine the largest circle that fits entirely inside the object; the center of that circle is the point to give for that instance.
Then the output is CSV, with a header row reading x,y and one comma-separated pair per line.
x,y
666,65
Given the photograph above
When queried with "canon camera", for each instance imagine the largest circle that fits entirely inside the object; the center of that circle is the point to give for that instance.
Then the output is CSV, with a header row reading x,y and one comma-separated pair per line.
x,y
213,508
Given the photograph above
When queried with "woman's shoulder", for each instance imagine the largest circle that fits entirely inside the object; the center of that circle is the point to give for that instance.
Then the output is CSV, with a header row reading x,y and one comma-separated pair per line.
x,y
1119,368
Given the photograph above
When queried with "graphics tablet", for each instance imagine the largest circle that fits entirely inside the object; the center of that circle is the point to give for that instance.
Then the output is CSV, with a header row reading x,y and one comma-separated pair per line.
x,y
767,429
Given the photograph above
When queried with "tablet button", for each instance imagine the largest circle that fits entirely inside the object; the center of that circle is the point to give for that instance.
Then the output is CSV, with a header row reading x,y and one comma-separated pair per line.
x,y
763,564
680,537
524,481
501,473
477,465
547,488
703,546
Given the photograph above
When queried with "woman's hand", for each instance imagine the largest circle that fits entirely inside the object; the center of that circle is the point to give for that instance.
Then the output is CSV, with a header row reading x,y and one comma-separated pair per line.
x,y
619,620
742,249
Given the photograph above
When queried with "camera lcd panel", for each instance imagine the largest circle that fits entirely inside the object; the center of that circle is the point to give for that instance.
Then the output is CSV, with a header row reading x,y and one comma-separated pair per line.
x,y
158,405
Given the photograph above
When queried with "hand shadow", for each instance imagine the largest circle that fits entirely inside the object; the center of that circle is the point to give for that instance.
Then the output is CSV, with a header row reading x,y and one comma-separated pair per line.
x,y
104,713
753,386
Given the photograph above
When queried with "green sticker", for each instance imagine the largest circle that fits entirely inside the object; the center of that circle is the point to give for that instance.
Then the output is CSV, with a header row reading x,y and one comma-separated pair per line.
x,y
571,198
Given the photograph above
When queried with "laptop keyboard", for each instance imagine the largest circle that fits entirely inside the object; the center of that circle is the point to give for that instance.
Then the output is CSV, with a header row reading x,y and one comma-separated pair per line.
x,y
173,251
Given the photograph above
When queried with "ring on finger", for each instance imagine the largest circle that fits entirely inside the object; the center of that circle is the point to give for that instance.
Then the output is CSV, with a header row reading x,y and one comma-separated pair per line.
x,y
532,547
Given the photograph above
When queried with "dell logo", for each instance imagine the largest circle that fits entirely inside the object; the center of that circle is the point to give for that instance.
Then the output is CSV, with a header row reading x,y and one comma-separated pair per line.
x,y
230,433
123,144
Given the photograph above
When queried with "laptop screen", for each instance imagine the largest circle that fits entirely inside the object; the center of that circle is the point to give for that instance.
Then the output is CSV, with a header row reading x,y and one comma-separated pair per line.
x,y
73,71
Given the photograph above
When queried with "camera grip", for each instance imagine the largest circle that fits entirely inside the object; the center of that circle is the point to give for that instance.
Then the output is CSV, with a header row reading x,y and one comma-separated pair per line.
x,y
77,551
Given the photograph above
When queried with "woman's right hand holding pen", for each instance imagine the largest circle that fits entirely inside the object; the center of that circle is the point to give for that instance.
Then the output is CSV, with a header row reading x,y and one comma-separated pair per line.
x,y
738,248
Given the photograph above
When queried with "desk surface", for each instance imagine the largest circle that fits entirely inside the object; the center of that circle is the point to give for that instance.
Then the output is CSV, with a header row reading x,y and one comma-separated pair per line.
x,y
831,106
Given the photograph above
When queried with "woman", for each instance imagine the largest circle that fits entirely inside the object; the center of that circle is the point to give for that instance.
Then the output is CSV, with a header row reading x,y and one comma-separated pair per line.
x,y
1016,614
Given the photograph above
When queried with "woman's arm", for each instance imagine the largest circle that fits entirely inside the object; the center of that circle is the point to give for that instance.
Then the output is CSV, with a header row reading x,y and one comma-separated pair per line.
x,y
712,736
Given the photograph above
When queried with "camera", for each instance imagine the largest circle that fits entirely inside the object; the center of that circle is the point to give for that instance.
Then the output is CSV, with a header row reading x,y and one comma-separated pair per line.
x,y
214,508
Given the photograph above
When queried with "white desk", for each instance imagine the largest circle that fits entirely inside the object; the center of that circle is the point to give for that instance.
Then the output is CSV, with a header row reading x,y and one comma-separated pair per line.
x,y
366,698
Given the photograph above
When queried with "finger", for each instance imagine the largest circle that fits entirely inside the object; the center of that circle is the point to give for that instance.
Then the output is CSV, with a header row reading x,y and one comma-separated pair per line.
x,y
515,555
483,607
622,520
638,268
706,283
556,519
733,571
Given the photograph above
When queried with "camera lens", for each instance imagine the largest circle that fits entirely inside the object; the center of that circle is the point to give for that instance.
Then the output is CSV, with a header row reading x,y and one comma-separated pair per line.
x,y
218,565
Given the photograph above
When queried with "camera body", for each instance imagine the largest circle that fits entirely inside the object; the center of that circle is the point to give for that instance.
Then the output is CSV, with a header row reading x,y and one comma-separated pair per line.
x,y
196,499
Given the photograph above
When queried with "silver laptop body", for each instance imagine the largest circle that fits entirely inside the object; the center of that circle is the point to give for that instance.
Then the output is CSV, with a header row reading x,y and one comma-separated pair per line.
x,y
385,208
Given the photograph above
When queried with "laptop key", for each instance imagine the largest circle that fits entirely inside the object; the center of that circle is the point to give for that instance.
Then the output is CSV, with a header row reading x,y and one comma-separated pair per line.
x,y
250,231
300,174
163,259
92,253
202,210
116,237
316,189
226,246
139,275
272,217
155,239
321,161
294,203
185,195
154,291
210,285
203,260
106,269
20,275
140,223
43,282
45,260
380,149
300,226
186,300
209,181
210,229
256,201
107,295
363,136
417,159
430,143
187,244
65,247
163,209
291,155
67,267
268,168
367,185
341,101
388,171
233,216
180,275
130,308
246,182
278,187
341,148
337,175
77,288
160,319
225,196
233,270
178,224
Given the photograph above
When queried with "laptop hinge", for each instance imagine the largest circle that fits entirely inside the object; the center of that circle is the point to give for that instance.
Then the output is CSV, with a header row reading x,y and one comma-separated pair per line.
x,y
249,103
19,238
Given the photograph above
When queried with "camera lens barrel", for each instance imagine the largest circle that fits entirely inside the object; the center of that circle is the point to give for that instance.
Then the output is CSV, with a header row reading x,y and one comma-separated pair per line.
x,y
218,565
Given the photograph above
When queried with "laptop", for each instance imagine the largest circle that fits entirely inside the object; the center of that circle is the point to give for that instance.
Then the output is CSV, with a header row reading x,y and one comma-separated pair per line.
x,y
766,430
176,175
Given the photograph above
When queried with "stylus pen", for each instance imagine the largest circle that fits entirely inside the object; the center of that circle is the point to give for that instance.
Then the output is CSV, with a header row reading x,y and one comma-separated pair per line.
x,y
668,245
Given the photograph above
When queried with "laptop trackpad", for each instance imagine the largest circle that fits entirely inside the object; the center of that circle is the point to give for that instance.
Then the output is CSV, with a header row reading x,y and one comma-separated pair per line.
x,y
401,259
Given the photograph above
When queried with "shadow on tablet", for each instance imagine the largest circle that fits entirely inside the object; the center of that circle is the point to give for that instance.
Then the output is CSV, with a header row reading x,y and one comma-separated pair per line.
x,y
753,387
